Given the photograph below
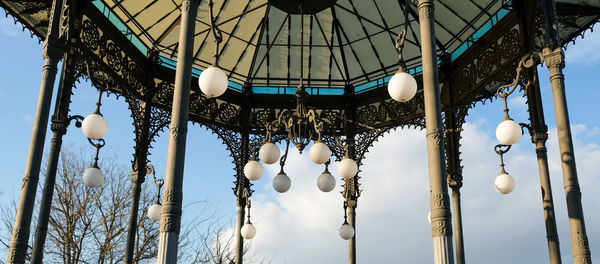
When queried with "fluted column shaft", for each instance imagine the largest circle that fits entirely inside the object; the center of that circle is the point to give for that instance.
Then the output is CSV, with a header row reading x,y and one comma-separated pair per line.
x,y
441,226
170,222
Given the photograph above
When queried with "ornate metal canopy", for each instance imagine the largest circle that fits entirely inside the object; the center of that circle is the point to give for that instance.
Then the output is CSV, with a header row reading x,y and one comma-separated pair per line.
x,y
349,53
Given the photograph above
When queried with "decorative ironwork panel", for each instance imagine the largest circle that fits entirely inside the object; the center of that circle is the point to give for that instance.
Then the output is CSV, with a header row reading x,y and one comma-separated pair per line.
x,y
478,79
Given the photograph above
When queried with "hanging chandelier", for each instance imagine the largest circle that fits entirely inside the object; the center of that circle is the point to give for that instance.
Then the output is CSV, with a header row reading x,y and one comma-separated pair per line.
x,y
302,125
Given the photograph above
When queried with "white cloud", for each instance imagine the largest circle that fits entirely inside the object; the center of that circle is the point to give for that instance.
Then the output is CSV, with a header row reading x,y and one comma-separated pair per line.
x,y
518,103
301,226
585,52
28,118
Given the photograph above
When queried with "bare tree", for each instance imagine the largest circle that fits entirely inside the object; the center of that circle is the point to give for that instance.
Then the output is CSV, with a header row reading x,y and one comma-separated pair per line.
x,y
217,245
90,225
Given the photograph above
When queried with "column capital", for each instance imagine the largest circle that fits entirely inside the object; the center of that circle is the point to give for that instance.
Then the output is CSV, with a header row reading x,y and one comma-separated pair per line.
x,y
455,181
554,58
53,49
135,176
425,8
352,203
185,4
539,136
58,126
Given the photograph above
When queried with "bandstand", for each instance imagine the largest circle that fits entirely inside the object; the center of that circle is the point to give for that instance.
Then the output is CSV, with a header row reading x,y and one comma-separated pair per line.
x,y
304,71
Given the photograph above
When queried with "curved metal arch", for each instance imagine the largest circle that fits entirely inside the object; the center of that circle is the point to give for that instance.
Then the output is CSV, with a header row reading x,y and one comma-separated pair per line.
x,y
233,142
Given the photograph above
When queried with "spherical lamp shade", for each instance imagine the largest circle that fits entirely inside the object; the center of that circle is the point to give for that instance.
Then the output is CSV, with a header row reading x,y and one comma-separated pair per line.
x,y
154,212
346,231
504,183
508,132
326,182
402,87
319,153
347,168
282,183
213,81
253,170
93,177
269,153
248,231
94,126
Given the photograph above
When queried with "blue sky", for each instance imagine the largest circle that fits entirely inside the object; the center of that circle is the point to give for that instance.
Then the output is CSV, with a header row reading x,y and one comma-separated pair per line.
x,y
301,226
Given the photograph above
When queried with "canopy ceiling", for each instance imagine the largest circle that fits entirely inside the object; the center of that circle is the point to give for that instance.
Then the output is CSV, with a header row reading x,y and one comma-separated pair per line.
x,y
352,42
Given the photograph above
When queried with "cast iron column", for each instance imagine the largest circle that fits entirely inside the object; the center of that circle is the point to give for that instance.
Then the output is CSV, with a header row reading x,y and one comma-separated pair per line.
x,y
454,119
441,227
351,186
170,222
138,174
242,182
60,122
352,221
455,179
460,244
539,135
554,59
239,246
53,52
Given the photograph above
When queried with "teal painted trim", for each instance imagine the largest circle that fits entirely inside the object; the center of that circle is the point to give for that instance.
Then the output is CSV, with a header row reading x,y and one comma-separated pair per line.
x,y
116,21
479,33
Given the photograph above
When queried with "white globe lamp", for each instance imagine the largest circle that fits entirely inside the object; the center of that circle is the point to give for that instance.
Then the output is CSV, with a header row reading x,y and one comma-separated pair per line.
x,y
154,212
346,231
93,177
248,231
504,183
402,86
94,126
281,182
253,170
326,182
213,81
508,132
269,153
319,153
347,168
